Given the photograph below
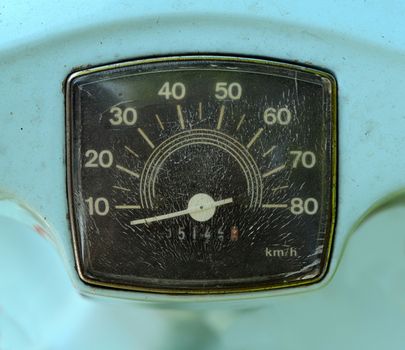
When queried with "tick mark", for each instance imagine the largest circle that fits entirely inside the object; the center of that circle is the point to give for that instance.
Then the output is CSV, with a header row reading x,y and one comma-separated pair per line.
x,y
131,151
127,206
159,122
221,117
269,151
200,111
254,138
279,188
180,115
275,170
122,188
146,138
274,206
242,118
125,170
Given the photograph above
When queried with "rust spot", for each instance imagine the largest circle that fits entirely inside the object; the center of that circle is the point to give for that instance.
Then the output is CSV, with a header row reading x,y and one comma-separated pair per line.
x,y
234,233
40,230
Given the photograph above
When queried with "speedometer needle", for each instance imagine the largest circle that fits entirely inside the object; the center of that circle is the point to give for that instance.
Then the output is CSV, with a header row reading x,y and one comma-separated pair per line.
x,y
189,210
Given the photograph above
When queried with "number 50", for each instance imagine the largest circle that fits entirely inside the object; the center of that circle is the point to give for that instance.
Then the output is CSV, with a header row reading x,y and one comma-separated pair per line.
x,y
224,90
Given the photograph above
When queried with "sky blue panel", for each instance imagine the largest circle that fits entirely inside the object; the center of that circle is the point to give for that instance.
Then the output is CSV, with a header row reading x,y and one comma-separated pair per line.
x,y
361,302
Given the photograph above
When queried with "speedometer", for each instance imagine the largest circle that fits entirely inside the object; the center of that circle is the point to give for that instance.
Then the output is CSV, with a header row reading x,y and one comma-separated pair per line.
x,y
201,174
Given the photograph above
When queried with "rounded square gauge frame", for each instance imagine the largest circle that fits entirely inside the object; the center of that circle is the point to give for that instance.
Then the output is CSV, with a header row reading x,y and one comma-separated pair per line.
x,y
327,218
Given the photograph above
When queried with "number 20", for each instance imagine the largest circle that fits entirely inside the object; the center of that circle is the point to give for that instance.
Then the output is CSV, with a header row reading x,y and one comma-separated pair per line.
x,y
104,159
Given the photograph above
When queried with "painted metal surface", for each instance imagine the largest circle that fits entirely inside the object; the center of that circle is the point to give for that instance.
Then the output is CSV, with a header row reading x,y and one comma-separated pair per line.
x,y
361,302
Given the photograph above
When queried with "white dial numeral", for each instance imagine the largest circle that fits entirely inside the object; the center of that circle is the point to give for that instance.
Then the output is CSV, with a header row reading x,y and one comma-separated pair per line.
x,y
300,206
127,116
104,159
280,116
99,206
177,90
306,158
232,91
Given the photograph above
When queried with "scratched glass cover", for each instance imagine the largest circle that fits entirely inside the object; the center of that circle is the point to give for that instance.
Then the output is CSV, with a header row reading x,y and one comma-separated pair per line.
x,y
193,175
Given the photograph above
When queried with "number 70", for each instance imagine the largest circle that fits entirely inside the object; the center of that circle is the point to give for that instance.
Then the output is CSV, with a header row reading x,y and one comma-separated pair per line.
x,y
306,158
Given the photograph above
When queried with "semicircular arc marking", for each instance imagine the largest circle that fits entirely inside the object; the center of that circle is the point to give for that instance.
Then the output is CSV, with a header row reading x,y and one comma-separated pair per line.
x,y
200,136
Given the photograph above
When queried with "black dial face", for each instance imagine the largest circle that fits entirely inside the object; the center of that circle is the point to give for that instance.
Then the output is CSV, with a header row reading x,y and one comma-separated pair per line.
x,y
201,174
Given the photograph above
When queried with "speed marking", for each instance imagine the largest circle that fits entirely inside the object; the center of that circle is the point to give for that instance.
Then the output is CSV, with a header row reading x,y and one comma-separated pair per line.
x,y
279,188
127,206
159,122
180,115
254,138
275,170
221,117
146,138
122,188
200,110
274,206
125,170
271,149
131,151
242,118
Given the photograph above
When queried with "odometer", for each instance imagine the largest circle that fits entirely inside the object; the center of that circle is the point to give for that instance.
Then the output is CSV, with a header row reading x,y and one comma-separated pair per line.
x,y
201,174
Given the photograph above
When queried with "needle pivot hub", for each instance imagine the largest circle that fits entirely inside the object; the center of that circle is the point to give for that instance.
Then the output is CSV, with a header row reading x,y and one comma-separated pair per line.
x,y
206,203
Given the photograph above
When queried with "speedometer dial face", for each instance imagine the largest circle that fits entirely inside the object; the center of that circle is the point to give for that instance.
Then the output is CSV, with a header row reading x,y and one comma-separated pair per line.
x,y
201,174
